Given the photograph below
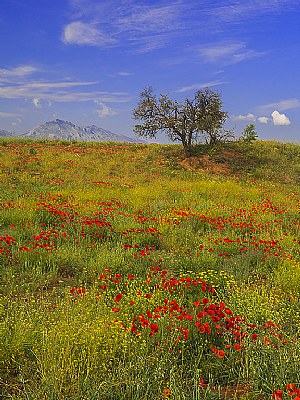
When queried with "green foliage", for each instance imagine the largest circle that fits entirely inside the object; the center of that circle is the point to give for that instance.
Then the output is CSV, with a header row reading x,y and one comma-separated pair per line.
x,y
183,122
249,134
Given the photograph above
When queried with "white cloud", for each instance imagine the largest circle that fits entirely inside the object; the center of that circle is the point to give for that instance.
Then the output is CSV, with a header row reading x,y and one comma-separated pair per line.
x,y
281,105
18,72
217,51
104,110
46,91
56,85
124,73
240,10
147,19
17,123
198,86
280,119
8,115
85,34
37,102
263,120
229,53
248,117
141,27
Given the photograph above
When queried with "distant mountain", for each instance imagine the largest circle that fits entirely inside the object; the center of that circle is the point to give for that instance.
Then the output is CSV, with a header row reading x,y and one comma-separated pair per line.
x,y
6,133
65,130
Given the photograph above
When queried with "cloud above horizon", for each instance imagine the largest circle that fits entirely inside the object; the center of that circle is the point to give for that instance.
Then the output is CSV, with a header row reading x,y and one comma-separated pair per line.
x,y
86,34
198,86
37,102
141,27
28,87
103,110
248,117
147,27
280,119
282,105
227,52
8,114
263,120
17,72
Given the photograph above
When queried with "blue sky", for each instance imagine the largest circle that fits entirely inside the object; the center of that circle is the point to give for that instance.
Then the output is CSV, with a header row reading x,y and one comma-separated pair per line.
x,y
86,61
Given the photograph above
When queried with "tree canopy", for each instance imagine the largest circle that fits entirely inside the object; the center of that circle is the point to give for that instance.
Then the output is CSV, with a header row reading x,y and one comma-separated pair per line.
x,y
186,121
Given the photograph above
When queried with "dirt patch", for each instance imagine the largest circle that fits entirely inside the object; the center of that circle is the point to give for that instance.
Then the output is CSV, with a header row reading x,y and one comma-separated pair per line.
x,y
223,162
206,164
233,392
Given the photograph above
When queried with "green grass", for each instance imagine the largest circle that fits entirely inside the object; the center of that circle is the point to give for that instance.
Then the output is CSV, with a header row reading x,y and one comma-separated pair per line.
x,y
108,253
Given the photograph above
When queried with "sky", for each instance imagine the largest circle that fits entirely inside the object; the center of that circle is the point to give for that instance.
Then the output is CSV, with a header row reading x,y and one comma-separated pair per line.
x,y
87,61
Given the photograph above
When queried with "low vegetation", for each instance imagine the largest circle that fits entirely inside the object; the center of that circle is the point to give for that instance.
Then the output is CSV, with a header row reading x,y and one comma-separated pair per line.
x,y
131,272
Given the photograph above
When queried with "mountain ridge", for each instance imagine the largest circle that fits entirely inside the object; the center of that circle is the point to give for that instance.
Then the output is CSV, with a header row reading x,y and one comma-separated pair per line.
x,y
59,129
4,133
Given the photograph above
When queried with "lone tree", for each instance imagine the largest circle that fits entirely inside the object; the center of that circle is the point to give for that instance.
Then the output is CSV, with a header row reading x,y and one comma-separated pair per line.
x,y
249,134
184,122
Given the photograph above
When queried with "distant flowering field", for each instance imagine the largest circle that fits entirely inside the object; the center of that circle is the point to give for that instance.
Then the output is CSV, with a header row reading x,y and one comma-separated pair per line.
x,y
125,275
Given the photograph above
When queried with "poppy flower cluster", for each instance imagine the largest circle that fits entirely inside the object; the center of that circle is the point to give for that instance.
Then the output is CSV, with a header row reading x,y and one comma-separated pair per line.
x,y
182,317
6,242
292,391
46,240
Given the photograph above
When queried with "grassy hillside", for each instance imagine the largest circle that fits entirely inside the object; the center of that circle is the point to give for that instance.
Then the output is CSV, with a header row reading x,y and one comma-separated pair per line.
x,y
130,272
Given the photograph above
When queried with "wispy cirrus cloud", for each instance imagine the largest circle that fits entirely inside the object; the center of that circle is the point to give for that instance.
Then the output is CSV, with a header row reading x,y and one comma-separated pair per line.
x,y
8,115
21,83
124,73
141,27
145,26
233,11
227,52
198,86
87,34
17,72
281,105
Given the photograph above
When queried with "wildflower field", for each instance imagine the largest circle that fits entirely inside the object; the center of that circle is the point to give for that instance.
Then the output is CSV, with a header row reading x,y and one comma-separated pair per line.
x,y
129,272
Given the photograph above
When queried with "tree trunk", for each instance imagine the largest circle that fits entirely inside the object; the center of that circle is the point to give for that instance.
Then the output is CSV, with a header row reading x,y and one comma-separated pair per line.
x,y
186,144
187,149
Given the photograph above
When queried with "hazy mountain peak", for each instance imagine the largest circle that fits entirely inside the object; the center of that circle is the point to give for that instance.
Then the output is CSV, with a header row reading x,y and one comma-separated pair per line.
x,y
5,133
59,129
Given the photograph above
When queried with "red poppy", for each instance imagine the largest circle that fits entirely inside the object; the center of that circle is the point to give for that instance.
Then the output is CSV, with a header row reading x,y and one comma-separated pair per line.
x,y
196,303
291,387
237,347
221,353
266,341
118,297
73,290
277,395
81,291
154,327
202,383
